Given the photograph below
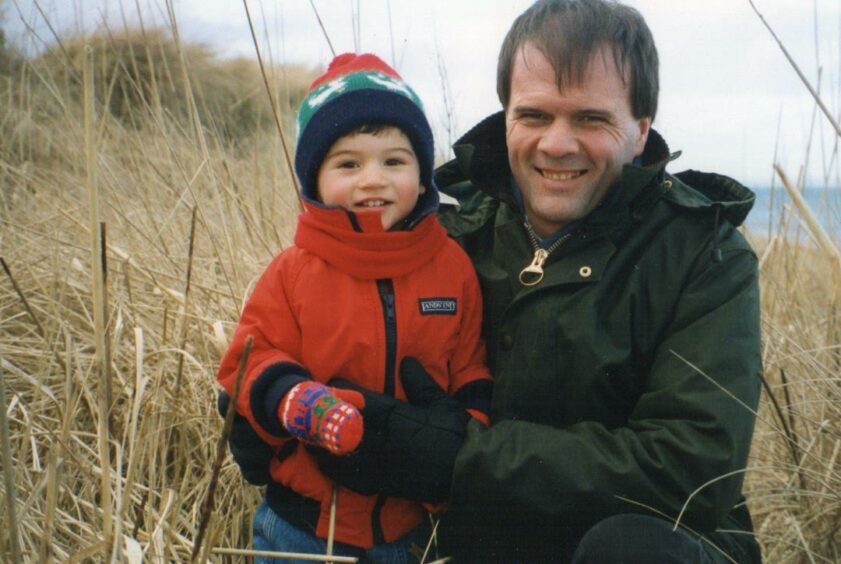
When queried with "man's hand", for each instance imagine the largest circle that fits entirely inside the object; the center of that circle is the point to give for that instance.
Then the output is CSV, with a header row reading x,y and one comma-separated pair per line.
x,y
408,449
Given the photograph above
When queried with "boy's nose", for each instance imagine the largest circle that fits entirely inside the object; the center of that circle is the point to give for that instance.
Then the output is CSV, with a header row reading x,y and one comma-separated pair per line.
x,y
372,177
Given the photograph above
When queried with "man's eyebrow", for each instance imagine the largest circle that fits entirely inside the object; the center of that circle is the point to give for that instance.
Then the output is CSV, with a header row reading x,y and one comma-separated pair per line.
x,y
527,109
595,112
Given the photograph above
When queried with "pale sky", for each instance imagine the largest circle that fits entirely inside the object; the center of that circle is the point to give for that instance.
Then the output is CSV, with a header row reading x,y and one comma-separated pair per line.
x,y
726,88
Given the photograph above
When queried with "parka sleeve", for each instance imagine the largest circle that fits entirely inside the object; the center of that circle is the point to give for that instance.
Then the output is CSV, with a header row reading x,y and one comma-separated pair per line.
x,y
686,442
272,367
470,379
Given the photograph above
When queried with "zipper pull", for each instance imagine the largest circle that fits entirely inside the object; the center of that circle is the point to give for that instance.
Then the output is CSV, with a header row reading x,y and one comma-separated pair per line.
x,y
389,306
533,273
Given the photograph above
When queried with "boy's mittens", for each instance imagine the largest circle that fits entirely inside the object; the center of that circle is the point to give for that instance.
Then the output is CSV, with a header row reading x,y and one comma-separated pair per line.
x,y
313,413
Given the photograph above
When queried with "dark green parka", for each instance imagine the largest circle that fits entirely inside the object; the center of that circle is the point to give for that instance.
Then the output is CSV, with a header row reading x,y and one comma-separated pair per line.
x,y
627,379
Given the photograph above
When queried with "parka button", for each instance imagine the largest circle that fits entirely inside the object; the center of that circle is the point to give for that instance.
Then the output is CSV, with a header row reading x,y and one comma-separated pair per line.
x,y
585,271
507,342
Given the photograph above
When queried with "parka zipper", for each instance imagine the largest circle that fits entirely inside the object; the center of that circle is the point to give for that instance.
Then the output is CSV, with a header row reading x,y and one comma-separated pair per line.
x,y
532,274
385,287
386,290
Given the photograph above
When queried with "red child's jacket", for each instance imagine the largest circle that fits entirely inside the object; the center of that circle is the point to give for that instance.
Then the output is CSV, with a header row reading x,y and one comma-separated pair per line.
x,y
351,300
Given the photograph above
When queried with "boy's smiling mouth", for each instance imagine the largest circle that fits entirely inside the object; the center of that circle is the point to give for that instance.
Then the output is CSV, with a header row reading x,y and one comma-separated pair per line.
x,y
372,204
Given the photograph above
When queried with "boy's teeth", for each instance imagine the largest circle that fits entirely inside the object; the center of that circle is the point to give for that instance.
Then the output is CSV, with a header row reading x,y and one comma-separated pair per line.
x,y
562,175
373,203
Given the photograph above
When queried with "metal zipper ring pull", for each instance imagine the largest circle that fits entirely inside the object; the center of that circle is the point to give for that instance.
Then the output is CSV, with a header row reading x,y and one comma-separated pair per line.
x,y
535,268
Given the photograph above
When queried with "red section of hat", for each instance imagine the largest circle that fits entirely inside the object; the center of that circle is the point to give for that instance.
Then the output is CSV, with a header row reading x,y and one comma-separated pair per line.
x,y
347,63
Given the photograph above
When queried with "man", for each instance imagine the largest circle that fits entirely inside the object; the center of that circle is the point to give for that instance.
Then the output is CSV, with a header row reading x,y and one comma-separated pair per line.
x,y
621,314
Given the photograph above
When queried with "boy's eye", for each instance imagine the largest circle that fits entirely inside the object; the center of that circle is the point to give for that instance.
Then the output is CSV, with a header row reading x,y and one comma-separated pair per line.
x,y
346,164
395,161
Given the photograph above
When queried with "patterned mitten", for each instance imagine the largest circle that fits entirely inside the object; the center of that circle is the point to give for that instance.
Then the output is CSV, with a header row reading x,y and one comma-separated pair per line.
x,y
313,413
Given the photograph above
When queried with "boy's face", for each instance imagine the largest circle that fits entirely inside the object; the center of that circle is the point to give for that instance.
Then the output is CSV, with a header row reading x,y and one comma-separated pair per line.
x,y
367,173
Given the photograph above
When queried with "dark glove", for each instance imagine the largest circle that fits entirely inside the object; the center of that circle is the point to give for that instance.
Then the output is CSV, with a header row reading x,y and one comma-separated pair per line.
x,y
251,453
408,449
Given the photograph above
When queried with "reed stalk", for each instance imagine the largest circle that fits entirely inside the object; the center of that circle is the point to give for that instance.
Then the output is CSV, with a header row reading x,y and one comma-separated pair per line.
x,y
286,153
9,475
98,291
221,450
288,555
182,341
816,229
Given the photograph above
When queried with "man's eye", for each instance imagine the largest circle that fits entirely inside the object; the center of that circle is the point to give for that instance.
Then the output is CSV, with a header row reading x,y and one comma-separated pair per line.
x,y
533,117
593,118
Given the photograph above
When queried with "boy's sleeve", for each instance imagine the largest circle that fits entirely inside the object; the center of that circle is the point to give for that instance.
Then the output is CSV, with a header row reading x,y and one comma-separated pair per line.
x,y
272,367
252,454
470,380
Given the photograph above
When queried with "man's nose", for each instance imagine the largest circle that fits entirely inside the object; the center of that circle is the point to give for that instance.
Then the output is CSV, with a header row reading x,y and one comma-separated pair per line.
x,y
558,139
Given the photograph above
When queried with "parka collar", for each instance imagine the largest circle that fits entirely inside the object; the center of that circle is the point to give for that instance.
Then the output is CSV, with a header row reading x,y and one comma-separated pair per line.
x,y
357,245
482,158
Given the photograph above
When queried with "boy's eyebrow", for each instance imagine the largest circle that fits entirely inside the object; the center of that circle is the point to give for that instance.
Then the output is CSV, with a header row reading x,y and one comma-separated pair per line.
x,y
340,152
332,154
402,149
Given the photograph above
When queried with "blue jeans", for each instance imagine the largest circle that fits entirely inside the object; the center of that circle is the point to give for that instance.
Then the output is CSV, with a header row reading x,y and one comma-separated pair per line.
x,y
272,532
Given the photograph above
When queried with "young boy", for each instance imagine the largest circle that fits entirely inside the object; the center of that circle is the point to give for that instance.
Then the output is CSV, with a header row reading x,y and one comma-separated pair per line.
x,y
372,279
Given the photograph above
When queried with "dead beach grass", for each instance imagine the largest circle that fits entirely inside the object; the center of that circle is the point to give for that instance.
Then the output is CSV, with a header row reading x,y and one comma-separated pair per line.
x,y
130,236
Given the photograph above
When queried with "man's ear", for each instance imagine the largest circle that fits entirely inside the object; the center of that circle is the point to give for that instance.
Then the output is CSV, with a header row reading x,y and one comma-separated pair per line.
x,y
644,125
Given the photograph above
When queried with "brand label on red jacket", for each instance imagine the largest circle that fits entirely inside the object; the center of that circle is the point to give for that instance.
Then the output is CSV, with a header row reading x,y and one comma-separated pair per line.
x,y
437,306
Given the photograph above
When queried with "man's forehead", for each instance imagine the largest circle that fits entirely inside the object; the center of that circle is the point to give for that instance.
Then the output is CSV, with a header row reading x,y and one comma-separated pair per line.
x,y
601,61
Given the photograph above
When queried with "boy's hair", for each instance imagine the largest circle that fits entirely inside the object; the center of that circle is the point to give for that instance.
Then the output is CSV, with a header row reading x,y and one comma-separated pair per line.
x,y
360,91
374,129
570,32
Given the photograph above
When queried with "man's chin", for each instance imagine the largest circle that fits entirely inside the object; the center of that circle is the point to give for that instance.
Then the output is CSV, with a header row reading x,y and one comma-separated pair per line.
x,y
549,221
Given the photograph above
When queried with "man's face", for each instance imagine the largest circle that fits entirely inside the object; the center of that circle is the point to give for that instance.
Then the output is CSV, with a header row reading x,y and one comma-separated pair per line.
x,y
566,148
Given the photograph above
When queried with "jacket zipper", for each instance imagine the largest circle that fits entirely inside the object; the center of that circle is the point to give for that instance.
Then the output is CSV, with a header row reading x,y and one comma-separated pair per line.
x,y
532,274
386,290
385,287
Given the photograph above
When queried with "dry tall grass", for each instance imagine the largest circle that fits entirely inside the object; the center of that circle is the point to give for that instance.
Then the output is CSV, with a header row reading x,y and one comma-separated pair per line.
x,y
793,484
173,287
154,167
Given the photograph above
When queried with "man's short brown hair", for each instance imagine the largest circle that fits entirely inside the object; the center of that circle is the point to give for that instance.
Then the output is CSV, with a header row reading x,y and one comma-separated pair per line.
x,y
570,32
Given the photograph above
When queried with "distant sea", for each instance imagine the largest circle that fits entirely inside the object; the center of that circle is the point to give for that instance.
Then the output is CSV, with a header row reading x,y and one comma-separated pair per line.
x,y
825,204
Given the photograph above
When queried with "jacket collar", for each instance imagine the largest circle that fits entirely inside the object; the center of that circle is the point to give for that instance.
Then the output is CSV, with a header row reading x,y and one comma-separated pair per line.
x,y
482,158
482,155
357,245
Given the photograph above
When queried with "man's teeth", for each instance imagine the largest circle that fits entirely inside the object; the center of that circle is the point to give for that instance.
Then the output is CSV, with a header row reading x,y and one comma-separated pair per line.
x,y
562,175
373,203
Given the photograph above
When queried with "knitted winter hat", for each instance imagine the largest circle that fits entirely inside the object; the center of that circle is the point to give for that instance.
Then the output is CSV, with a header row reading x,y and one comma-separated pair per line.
x,y
360,90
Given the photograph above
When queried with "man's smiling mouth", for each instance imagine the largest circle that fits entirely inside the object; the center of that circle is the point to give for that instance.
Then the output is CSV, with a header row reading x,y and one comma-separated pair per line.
x,y
566,175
